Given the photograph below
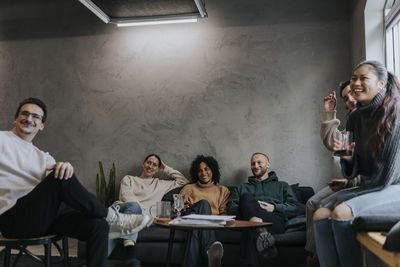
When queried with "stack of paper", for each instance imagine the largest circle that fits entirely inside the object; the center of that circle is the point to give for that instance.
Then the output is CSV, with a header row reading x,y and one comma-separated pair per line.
x,y
202,220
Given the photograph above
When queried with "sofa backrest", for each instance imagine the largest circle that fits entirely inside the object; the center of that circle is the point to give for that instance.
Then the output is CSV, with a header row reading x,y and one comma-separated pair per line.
x,y
303,193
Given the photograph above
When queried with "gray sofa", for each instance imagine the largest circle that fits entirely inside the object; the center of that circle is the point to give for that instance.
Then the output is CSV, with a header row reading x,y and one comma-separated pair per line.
x,y
152,242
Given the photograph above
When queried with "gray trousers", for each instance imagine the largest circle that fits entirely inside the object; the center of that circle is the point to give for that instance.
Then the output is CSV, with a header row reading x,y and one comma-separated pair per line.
x,y
318,200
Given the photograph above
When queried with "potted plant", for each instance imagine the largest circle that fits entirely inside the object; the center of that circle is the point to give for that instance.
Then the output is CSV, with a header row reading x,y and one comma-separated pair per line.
x,y
105,192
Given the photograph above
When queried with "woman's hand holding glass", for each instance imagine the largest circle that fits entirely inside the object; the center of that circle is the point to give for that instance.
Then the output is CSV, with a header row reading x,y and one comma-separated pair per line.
x,y
338,146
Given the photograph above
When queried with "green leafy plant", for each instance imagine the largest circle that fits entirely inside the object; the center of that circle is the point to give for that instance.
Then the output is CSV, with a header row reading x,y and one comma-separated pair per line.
x,y
105,193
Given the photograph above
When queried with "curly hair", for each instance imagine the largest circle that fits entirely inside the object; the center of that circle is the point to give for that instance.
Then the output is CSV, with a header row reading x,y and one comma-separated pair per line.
x,y
211,163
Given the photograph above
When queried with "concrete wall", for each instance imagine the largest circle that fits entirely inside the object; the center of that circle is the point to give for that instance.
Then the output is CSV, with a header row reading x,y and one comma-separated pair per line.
x,y
357,30
251,77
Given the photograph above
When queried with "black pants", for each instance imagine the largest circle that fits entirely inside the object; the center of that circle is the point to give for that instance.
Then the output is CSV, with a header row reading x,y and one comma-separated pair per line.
x,y
201,240
249,207
62,207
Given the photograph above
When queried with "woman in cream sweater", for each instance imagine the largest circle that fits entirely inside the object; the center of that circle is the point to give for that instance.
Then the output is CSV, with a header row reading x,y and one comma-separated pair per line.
x,y
138,193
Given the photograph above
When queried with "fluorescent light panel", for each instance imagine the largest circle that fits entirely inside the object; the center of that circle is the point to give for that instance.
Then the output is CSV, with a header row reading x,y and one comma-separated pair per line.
x,y
201,8
96,10
156,21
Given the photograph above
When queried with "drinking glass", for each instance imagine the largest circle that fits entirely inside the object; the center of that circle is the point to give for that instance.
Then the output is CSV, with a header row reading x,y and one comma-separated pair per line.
x,y
161,210
345,139
179,202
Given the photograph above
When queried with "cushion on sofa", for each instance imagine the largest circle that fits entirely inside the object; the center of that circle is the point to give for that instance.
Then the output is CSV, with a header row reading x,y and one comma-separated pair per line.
x,y
303,193
169,195
375,223
159,234
392,240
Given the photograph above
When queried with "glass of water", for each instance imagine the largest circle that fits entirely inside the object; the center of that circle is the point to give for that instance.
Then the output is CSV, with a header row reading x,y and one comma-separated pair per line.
x,y
179,202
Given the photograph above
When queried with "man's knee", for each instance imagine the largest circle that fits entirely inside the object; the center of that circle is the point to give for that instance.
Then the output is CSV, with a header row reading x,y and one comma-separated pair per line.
x,y
342,212
203,207
322,213
51,179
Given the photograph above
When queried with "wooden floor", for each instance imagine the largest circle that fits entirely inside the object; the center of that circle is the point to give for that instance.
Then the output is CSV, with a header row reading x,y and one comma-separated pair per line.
x,y
39,250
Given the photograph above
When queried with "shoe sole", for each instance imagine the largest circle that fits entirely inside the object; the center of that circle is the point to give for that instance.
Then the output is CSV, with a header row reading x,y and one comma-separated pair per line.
x,y
215,253
260,244
146,222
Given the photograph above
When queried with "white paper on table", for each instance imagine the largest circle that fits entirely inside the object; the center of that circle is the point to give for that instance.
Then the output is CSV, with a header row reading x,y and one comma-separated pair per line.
x,y
194,222
210,217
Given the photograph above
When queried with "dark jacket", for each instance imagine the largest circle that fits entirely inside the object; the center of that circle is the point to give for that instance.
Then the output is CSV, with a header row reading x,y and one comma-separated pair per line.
x,y
269,190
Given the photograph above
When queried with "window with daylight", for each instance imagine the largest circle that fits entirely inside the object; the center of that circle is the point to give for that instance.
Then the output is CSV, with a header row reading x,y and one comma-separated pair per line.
x,y
392,25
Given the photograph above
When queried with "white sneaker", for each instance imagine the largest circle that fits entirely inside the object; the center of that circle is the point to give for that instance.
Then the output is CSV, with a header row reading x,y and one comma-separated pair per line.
x,y
122,224
215,253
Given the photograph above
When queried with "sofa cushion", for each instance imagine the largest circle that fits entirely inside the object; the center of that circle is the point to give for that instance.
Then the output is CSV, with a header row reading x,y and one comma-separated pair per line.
x,y
169,195
303,193
296,224
392,240
375,223
160,234
297,238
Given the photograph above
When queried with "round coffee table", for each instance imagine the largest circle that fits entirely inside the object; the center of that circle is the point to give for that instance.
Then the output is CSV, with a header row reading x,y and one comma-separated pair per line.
x,y
230,225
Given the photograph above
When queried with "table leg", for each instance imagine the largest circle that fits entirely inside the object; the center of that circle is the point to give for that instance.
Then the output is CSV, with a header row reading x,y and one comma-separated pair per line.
x,y
170,245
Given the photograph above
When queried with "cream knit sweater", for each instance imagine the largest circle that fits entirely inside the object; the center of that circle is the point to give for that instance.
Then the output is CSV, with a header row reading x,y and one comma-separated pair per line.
x,y
148,191
22,167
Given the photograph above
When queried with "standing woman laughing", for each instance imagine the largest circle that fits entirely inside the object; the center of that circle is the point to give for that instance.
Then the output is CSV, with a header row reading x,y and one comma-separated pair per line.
x,y
376,157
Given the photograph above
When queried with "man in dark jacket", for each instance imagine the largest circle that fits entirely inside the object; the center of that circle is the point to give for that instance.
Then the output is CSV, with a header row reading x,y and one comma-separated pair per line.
x,y
264,199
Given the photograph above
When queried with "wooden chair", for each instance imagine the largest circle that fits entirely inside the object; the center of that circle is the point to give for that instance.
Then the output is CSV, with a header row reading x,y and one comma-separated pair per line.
x,y
46,241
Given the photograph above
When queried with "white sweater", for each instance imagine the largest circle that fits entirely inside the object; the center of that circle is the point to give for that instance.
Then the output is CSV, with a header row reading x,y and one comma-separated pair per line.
x,y
22,167
148,191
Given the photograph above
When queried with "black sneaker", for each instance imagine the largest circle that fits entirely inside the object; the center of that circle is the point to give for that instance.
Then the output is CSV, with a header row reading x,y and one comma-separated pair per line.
x,y
265,244
264,240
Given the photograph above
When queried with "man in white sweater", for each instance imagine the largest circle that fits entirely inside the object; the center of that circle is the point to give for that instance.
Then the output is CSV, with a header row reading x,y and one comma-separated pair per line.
x,y
39,196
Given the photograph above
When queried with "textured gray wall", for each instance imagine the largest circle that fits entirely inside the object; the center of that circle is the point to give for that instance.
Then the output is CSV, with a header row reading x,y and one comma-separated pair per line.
x,y
357,30
251,77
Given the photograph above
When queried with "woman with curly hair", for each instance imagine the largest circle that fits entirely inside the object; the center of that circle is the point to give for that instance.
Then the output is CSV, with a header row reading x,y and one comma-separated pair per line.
x,y
376,157
204,196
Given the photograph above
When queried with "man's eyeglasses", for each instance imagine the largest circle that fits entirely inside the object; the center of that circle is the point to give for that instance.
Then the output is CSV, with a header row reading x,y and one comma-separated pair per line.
x,y
35,116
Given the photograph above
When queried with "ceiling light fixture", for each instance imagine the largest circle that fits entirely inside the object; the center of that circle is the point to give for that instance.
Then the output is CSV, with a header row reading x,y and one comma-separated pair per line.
x,y
156,21
201,8
96,10
138,13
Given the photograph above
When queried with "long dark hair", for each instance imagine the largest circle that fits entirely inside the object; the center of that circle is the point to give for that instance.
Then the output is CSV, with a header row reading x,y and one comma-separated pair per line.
x,y
153,155
384,115
211,162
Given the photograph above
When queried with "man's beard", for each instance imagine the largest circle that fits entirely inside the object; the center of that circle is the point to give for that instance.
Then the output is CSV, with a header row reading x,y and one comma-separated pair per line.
x,y
262,172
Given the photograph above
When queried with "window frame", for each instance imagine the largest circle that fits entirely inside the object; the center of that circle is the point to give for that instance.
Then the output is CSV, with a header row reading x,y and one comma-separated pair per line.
x,y
392,35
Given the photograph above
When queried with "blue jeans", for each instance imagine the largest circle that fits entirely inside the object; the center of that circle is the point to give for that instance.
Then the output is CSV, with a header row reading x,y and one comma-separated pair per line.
x,y
336,240
314,203
129,208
